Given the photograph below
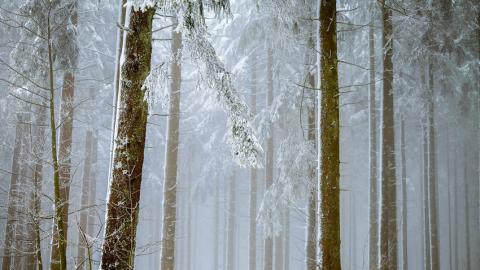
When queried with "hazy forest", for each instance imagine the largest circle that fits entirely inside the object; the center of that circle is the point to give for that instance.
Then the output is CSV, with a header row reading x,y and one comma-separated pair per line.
x,y
240,134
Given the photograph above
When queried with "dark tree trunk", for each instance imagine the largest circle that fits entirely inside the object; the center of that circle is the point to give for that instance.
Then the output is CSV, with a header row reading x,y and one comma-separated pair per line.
x,y
330,139
118,251
388,226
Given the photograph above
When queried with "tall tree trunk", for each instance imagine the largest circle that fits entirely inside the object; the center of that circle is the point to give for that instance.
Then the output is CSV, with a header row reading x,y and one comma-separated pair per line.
x,y
59,241
456,208
231,224
9,251
330,139
388,227
92,193
252,235
466,204
279,255
124,194
84,204
311,252
268,249
373,224
216,233
449,193
404,197
64,158
171,156
38,149
432,172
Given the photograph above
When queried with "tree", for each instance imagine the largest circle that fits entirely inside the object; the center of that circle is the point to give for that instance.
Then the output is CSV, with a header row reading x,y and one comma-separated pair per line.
x,y
231,223
171,154
268,249
252,229
373,225
118,249
404,197
388,226
329,139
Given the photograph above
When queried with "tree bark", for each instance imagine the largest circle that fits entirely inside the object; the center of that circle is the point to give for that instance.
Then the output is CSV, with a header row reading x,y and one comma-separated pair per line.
x,y
10,253
311,252
252,236
268,249
373,224
84,204
65,148
432,172
388,227
171,156
231,224
330,139
404,197
118,249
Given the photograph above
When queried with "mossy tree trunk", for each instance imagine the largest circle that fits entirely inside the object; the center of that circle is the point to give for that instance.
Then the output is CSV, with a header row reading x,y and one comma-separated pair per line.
x,y
329,139
118,249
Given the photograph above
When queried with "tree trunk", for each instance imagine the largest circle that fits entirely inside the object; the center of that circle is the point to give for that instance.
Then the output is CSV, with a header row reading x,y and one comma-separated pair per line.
x,y
231,224
467,204
432,173
330,139
279,255
87,180
388,227
449,192
171,155
373,224
312,238
124,194
404,197
64,158
287,239
9,250
456,208
268,249
92,229
216,233
252,235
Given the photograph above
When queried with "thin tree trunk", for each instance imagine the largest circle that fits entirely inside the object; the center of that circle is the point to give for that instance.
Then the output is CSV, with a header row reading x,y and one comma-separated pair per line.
x,y
330,139
432,173
91,225
467,203
59,241
268,249
38,149
404,198
252,235
65,148
231,224
311,252
87,180
456,208
171,156
279,255
9,251
124,194
373,224
388,227
450,238
189,234
287,239
216,233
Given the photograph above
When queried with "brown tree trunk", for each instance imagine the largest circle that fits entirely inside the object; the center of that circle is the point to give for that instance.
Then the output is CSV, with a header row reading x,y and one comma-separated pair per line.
x,y
404,197
252,235
426,211
312,238
388,227
10,254
171,155
231,224
330,139
373,224
64,158
118,251
432,173
84,204
268,249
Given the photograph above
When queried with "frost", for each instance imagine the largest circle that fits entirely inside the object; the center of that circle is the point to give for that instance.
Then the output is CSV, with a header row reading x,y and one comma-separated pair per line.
x,y
156,87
